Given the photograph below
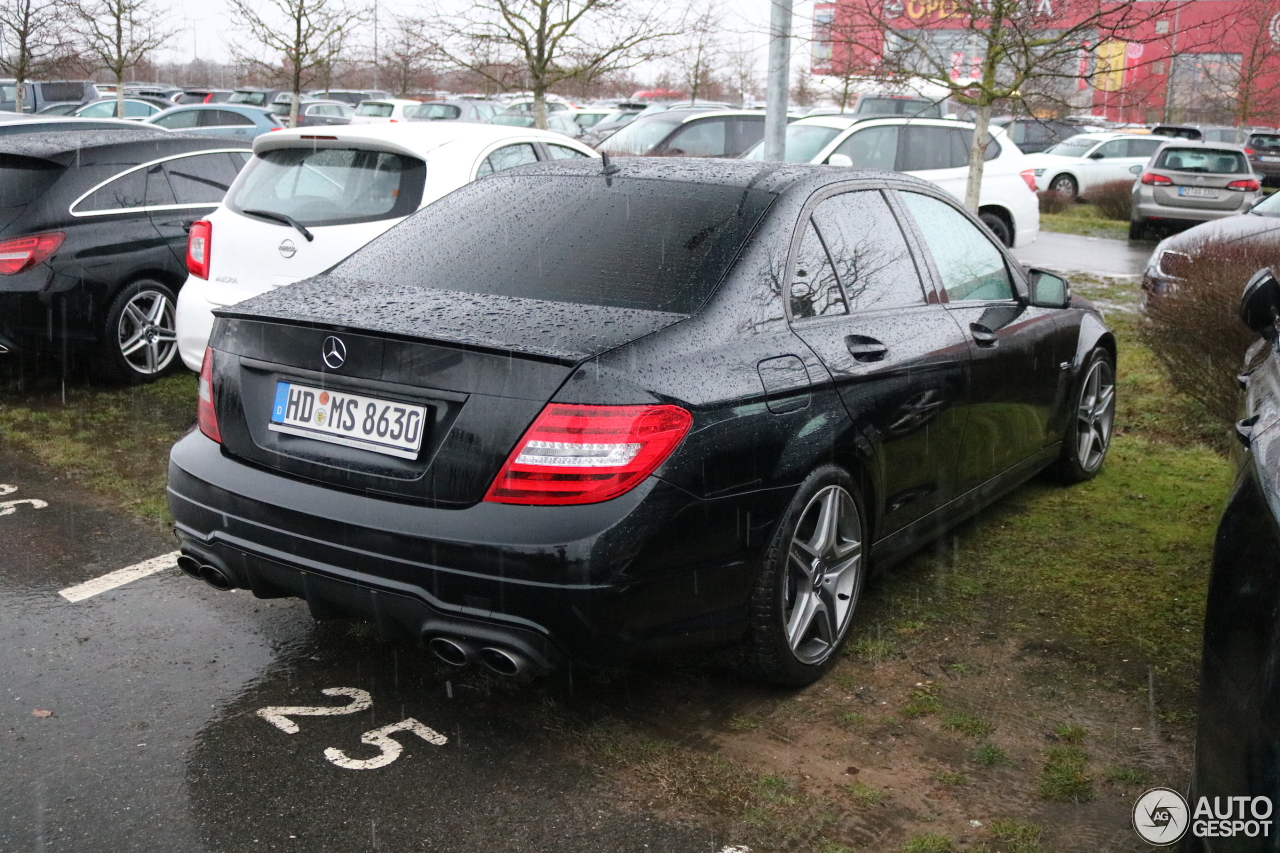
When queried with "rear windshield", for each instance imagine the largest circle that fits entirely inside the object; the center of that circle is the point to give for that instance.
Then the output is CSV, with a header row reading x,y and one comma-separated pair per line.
x,y
375,110
256,99
626,243
1204,160
898,107
330,186
432,112
25,179
640,137
1264,142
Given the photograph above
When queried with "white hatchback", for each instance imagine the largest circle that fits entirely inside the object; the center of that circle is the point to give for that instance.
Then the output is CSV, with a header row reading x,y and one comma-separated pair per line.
x,y
1077,164
312,196
936,150
386,111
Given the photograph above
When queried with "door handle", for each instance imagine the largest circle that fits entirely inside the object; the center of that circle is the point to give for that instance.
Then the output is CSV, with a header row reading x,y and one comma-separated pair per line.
x,y
863,348
982,336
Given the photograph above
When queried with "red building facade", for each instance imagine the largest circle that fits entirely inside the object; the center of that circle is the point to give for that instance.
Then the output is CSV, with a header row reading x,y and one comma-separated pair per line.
x,y
1185,60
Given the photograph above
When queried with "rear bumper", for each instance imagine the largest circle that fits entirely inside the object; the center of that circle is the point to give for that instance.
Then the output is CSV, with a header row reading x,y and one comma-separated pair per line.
x,y
1149,209
652,571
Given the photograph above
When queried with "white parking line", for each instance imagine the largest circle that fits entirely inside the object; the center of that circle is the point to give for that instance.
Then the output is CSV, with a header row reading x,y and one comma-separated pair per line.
x,y
120,577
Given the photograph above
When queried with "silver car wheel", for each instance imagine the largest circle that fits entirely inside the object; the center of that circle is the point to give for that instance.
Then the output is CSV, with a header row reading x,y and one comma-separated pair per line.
x,y
1095,414
147,334
823,575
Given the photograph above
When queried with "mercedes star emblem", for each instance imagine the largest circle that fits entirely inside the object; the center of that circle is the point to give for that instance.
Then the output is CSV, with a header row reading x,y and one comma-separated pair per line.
x,y
334,352
287,249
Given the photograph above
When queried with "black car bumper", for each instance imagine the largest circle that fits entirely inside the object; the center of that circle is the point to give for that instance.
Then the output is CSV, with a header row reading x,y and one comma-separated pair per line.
x,y
651,571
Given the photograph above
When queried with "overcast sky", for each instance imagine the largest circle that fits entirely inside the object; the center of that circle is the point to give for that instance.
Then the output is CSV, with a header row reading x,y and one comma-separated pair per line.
x,y
206,30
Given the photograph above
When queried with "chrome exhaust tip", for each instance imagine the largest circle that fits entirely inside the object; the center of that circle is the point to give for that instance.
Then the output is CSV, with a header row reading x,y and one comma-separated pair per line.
x,y
504,661
190,566
453,651
215,578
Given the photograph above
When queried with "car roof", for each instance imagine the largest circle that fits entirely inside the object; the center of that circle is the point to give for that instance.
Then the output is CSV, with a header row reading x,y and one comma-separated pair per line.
x,y
844,121
394,101
772,177
90,145
412,138
1200,143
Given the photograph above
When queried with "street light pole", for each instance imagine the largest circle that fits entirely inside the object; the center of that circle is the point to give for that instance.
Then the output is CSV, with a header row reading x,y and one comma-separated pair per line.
x,y
375,46
775,109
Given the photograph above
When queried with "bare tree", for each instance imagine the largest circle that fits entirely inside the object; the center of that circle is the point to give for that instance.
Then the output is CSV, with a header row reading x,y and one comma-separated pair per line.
x,y
407,58
741,66
698,54
544,42
1242,80
300,39
118,34
987,52
31,34
802,92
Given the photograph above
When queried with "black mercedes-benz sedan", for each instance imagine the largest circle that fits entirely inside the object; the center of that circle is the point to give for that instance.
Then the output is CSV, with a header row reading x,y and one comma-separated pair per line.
x,y
577,415
1236,779
93,241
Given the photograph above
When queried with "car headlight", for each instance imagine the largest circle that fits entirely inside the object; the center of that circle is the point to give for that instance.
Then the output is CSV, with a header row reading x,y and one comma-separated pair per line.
x,y
1172,264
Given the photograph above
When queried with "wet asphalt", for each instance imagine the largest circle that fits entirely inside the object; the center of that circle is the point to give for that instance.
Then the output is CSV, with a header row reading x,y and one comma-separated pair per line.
x,y
1071,253
153,741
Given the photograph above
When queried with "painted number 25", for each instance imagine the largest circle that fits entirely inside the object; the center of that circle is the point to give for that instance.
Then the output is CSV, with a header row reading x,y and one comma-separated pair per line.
x,y
389,748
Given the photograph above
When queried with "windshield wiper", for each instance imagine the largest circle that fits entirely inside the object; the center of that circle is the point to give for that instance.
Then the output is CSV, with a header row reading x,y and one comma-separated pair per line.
x,y
283,219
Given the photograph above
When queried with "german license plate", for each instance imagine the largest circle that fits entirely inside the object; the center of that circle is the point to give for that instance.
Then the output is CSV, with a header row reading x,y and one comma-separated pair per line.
x,y
352,420
1197,192
1267,159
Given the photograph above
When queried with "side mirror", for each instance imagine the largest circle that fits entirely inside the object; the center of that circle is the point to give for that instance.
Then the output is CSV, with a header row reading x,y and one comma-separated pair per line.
x,y
1260,303
1135,170
1097,155
1049,290
842,160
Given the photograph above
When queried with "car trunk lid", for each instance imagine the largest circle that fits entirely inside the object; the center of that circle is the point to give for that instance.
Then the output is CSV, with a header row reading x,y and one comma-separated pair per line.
x,y
481,365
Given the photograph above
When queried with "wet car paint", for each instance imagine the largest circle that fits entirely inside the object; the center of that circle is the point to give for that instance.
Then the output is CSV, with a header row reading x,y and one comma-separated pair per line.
x,y
609,581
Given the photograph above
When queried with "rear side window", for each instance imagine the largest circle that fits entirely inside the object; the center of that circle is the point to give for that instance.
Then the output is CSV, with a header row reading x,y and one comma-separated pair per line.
x,y
1202,160
25,179
224,118
970,265
1144,147
564,152
133,189
50,92
871,256
669,243
928,148
898,107
179,120
815,290
507,157
330,186
202,179
375,110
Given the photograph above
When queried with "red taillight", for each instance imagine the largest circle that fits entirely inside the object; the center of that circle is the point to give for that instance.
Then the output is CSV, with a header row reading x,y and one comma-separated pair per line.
x,y
1029,177
1151,179
208,99
1249,185
23,253
206,416
199,244
585,454
1248,152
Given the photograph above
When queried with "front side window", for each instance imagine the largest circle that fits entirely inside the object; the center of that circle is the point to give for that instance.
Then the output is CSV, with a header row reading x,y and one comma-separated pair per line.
x,y
1114,148
640,137
330,186
872,261
815,290
564,152
178,120
698,139
139,109
971,267
224,118
507,157
102,109
872,148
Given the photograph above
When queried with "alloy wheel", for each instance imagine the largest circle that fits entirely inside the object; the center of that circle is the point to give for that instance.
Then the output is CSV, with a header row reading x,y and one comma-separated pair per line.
x,y
823,576
147,332
1094,416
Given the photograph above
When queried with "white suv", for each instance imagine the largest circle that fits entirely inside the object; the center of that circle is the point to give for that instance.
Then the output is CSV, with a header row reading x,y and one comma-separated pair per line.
x,y
312,196
936,150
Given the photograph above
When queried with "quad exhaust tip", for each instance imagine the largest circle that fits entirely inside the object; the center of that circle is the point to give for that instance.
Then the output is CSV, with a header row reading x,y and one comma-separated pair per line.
x,y
212,575
504,661
451,650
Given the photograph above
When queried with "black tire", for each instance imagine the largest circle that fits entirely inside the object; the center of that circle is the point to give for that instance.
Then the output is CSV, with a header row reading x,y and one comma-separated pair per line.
x,y
995,222
137,341
767,652
1065,185
1083,453
1138,229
